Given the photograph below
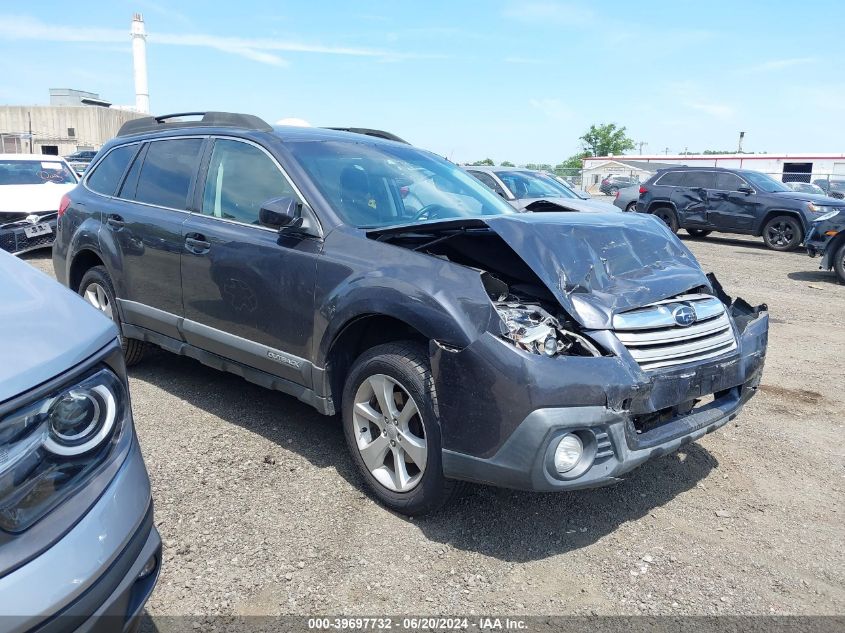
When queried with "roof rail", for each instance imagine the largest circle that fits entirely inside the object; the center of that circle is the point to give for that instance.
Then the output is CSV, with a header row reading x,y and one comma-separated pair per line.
x,y
209,119
370,132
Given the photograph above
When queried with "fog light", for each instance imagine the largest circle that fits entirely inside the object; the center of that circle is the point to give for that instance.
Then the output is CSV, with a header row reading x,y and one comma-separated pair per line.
x,y
148,568
568,453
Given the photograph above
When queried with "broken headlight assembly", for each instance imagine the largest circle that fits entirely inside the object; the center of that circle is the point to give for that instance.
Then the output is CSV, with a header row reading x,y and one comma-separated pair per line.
x,y
51,447
533,329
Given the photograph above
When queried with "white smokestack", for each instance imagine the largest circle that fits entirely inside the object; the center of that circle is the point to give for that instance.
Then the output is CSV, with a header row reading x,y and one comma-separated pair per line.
x,y
139,59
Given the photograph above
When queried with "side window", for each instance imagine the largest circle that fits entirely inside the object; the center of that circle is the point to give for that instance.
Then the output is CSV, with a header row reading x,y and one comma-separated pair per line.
x,y
240,178
671,179
728,182
487,179
106,176
700,180
166,174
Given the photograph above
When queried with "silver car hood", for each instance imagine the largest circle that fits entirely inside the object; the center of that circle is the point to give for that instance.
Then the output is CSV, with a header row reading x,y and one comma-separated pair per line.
x,y
46,328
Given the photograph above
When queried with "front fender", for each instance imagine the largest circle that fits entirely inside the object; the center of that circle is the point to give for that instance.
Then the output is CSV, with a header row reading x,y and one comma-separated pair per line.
x,y
440,299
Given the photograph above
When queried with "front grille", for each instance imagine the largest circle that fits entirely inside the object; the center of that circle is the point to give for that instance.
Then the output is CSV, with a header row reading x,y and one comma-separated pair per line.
x,y
15,240
655,339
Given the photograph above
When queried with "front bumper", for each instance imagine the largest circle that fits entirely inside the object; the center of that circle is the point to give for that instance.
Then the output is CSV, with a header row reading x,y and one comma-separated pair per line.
x,y
501,418
13,238
88,580
819,239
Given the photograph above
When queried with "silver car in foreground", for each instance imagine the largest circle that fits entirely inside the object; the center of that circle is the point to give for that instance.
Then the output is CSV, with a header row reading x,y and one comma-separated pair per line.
x,y
529,190
78,549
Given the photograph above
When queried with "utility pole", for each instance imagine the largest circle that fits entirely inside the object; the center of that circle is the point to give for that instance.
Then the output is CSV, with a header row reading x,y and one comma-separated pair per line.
x,y
739,145
641,144
29,116
667,151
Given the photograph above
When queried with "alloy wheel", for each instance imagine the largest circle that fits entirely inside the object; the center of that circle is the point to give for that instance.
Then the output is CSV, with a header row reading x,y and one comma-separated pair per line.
x,y
96,295
781,233
389,433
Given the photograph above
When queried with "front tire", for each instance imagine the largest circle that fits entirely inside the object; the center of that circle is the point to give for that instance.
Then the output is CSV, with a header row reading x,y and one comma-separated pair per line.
x,y
782,233
839,263
667,214
392,428
97,289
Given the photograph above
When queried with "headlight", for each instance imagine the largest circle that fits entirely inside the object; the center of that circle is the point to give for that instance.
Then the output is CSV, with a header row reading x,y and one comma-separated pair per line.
x,y
568,453
827,210
52,446
828,215
534,330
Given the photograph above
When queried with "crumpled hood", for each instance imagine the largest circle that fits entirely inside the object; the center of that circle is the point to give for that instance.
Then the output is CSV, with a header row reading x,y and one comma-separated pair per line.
x,y
597,265
41,198
47,329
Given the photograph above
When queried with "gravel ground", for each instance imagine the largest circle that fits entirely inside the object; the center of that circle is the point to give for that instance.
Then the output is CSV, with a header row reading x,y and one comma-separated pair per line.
x,y
261,511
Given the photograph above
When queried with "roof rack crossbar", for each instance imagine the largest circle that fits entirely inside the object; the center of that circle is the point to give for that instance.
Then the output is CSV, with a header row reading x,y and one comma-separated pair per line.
x,y
209,119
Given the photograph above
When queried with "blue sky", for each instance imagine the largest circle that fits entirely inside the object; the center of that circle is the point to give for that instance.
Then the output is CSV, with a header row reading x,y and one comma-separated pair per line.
x,y
518,81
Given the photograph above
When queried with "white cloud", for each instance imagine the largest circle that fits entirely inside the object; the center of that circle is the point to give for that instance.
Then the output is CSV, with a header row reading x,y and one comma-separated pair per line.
x,y
256,49
718,110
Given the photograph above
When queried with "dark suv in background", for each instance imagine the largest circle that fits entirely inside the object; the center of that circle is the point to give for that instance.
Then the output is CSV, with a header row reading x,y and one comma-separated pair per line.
x,y
705,199
610,185
458,338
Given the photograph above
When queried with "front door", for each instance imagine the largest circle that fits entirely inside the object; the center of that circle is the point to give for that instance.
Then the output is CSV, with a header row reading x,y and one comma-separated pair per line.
x,y
248,291
731,209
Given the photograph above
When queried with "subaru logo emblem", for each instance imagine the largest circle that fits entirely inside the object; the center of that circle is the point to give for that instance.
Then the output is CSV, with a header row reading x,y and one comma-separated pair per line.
x,y
684,315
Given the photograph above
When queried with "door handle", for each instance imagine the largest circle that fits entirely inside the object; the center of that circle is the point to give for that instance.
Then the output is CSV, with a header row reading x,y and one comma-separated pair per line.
x,y
115,221
196,243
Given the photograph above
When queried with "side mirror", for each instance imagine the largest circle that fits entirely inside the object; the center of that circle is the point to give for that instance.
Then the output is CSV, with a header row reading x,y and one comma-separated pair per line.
x,y
279,213
745,189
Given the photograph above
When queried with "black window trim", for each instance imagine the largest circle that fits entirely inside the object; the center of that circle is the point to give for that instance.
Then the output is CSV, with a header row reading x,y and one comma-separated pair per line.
x,y
202,177
188,199
90,171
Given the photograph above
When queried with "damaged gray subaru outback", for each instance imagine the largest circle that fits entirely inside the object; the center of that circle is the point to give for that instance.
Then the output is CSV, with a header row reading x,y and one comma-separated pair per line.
x,y
459,340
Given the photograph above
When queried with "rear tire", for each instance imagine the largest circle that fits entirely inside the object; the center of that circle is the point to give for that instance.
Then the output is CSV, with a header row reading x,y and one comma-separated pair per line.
x,y
783,233
667,214
631,208
839,263
698,233
97,289
397,377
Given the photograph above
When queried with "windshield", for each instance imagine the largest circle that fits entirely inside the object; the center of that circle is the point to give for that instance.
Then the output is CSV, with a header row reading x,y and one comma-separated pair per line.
x,y
526,184
374,185
35,172
764,182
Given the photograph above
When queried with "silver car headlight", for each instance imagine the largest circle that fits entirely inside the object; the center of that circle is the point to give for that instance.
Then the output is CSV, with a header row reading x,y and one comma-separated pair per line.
x,y
50,447
533,329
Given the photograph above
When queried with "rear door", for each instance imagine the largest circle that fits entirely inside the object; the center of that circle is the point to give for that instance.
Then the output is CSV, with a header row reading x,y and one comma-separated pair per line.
x,y
691,198
248,289
728,207
144,228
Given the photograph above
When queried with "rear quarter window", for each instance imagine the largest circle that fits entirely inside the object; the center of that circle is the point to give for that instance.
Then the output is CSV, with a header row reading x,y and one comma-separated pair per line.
x,y
671,179
108,172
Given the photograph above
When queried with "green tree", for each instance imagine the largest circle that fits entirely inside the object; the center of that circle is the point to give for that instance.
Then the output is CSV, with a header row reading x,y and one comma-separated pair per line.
x,y
507,163
486,161
606,139
573,162
539,166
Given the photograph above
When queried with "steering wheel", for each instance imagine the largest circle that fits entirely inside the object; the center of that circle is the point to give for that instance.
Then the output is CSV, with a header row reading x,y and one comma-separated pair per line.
x,y
428,212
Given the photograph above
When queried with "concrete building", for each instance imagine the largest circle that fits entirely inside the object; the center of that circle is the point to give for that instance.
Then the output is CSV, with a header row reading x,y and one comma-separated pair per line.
x,y
785,167
74,120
